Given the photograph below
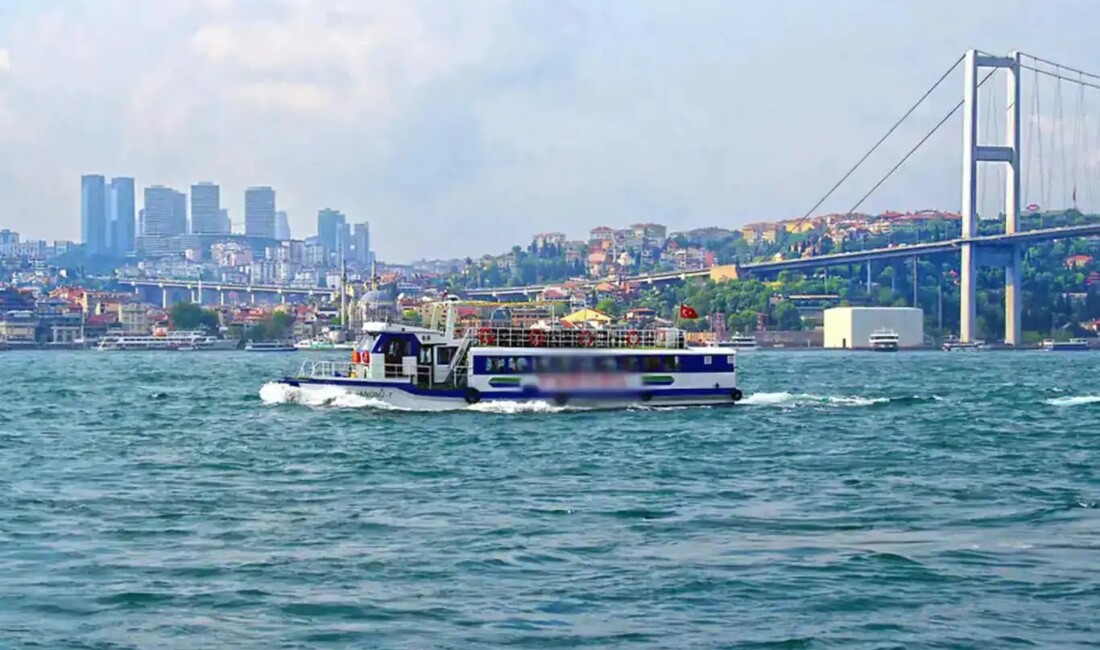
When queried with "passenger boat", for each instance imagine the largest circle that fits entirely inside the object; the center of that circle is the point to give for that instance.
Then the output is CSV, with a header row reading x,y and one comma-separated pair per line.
x,y
1072,345
738,342
322,344
438,367
884,340
953,344
269,346
181,340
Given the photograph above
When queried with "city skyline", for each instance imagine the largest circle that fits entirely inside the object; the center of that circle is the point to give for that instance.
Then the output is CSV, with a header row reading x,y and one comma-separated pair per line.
x,y
556,117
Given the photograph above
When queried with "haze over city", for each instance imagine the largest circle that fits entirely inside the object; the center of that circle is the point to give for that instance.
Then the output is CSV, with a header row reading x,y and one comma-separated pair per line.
x,y
480,123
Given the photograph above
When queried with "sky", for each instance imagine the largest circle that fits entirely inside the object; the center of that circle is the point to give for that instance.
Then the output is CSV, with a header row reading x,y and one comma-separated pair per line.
x,y
460,128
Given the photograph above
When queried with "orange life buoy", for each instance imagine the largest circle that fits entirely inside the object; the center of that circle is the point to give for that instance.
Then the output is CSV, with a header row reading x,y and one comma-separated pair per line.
x,y
633,338
586,338
355,356
485,336
536,339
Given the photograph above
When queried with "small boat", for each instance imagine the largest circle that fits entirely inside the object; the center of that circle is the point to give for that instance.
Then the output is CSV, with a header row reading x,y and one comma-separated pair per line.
x,y
737,342
884,340
323,344
269,346
1072,345
953,344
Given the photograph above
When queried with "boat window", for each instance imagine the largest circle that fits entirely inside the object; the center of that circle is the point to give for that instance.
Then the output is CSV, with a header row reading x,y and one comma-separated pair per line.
x,y
607,364
707,360
629,364
443,356
425,356
651,363
729,360
521,364
496,364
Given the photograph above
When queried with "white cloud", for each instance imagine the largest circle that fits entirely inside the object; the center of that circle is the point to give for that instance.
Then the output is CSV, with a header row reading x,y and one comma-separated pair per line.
x,y
5,60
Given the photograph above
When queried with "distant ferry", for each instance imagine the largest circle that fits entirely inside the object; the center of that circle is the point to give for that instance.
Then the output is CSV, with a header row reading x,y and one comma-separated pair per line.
x,y
953,344
182,340
438,367
884,340
1072,345
738,342
322,344
269,346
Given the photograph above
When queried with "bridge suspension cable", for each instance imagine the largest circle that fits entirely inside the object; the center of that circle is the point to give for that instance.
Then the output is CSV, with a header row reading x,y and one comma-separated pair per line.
x,y
870,151
917,146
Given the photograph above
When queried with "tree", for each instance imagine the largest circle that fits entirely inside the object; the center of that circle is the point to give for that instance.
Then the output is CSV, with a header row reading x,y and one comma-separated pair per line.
x,y
608,306
189,316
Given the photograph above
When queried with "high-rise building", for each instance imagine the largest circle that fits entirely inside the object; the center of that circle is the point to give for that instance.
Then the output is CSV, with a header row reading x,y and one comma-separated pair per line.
x,y
165,212
329,224
206,209
259,212
120,214
282,226
93,214
343,243
361,243
179,208
226,224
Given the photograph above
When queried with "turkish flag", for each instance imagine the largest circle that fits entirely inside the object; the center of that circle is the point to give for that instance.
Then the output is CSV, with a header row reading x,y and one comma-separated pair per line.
x,y
687,312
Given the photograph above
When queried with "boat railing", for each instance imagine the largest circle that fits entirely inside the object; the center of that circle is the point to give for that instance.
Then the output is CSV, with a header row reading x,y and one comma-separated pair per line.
x,y
345,369
508,336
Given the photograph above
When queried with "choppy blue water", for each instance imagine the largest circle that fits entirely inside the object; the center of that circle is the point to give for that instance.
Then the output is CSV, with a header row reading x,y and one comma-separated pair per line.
x,y
855,500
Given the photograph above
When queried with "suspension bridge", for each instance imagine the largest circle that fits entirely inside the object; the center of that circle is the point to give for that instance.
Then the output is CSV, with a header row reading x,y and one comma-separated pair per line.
x,y
1062,156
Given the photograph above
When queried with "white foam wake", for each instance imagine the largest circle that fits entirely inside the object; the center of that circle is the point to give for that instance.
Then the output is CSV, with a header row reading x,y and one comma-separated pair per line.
x,y
510,408
332,396
785,399
1077,400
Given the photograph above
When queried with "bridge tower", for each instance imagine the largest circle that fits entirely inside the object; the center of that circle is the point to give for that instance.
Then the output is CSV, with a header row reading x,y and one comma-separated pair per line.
x,y
974,254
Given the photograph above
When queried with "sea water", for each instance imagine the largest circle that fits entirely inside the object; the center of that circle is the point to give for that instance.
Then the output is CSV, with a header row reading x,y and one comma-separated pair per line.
x,y
160,500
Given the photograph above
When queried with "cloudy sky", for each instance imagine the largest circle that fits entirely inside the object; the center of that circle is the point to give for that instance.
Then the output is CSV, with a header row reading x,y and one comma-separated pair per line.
x,y
458,128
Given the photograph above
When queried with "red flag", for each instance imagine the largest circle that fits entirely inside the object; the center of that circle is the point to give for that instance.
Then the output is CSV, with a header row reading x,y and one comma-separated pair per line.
x,y
687,312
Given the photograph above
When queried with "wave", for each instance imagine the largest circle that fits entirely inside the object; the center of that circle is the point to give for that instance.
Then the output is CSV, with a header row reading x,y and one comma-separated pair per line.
x,y
1077,400
331,396
789,400
511,408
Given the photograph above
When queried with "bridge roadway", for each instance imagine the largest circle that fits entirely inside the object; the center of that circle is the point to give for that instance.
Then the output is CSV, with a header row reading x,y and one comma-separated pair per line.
x,y
198,290
833,259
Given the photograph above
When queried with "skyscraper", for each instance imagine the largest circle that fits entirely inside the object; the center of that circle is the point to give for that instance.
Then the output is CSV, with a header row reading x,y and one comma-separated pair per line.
x,y
93,213
282,226
206,209
120,215
179,209
330,223
165,211
361,242
259,212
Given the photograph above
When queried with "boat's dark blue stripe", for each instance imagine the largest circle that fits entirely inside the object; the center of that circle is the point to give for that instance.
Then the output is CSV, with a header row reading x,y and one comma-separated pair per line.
x,y
635,393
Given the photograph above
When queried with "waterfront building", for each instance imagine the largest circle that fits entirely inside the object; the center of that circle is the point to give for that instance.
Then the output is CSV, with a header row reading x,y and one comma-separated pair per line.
x,y
206,210
259,212
122,227
93,213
